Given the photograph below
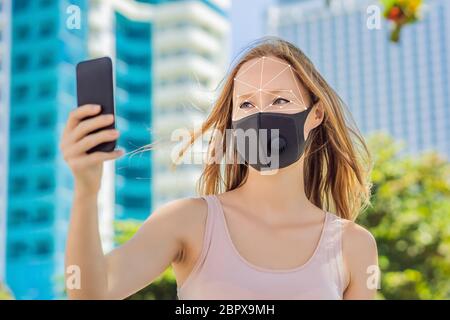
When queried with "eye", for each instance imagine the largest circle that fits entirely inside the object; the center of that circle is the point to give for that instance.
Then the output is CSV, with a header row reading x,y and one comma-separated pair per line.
x,y
245,105
281,101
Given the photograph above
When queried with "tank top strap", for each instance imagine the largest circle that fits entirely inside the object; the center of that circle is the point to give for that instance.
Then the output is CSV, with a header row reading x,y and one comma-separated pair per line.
x,y
211,219
332,250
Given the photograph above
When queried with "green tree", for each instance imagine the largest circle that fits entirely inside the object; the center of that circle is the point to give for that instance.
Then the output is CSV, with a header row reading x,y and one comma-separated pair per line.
x,y
410,219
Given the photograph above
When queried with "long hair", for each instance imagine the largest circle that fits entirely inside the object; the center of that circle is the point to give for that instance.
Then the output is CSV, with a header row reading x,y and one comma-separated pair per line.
x,y
337,163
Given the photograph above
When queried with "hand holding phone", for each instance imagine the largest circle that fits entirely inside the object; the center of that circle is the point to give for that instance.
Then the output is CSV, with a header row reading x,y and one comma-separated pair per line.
x,y
89,137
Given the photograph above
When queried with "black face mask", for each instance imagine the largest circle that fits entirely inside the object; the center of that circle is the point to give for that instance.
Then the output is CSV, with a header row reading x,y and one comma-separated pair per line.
x,y
287,146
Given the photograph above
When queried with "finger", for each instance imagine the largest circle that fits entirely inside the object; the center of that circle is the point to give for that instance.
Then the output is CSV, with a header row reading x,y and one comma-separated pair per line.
x,y
93,140
80,113
87,126
96,158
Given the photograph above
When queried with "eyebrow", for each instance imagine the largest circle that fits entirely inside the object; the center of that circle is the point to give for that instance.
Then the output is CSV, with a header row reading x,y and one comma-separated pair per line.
x,y
246,95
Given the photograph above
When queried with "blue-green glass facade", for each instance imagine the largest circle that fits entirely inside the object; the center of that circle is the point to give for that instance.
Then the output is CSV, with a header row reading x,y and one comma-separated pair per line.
x,y
133,107
44,52
43,57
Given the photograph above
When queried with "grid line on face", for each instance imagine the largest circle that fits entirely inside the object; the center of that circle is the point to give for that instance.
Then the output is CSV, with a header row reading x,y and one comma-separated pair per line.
x,y
276,76
293,78
260,90
300,105
243,72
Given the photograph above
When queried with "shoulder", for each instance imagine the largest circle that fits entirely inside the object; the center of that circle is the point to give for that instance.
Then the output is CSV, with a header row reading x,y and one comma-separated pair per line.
x,y
186,210
360,257
359,247
185,215
356,238
185,206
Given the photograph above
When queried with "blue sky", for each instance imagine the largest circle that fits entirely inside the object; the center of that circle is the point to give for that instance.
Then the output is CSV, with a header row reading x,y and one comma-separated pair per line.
x,y
247,22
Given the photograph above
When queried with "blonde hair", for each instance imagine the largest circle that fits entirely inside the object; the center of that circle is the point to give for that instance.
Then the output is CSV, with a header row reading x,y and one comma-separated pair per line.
x,y
337,163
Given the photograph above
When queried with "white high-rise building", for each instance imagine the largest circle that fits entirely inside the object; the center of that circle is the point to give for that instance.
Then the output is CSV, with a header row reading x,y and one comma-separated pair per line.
x,y
5,45
191,53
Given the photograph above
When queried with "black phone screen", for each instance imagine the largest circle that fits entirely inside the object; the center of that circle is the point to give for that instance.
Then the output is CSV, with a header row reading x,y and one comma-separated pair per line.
x,y
95,86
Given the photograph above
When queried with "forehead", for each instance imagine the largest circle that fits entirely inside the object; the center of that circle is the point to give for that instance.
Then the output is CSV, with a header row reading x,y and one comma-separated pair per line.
x,y
264,73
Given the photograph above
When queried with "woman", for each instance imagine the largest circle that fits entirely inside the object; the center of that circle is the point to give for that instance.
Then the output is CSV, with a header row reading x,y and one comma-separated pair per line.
x,y
262,229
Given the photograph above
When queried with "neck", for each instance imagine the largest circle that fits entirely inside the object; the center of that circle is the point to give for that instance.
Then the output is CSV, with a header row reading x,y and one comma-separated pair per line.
x,y
276,192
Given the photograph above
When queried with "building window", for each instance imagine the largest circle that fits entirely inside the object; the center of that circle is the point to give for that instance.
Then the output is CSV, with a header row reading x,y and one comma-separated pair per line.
x,y
45,90
137,116
44,184
43,247
135,202
136,88
46,59
17,249
20,123
20,5
46,120
46,29
140,61
21,92
45,152
17,217
22,32
46,3
137,32
19,154
21,62
44,214
18,185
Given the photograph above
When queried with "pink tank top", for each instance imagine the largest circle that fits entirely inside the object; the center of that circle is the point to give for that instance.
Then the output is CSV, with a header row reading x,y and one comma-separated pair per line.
x,y
222,273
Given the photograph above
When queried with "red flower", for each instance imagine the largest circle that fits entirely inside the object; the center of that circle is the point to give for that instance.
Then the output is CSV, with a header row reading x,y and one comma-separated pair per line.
x,y
395,14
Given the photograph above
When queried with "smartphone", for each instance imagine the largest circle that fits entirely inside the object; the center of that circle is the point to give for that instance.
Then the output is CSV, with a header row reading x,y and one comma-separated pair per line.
x,y
95,86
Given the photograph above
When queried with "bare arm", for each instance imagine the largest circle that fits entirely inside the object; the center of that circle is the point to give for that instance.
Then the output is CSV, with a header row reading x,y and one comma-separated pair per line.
x,y
361,260
158,242
138,262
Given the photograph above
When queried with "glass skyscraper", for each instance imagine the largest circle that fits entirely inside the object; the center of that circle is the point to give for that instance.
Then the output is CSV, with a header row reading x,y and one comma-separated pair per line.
x,y
38,90
133,107
44,52
402,89
5,45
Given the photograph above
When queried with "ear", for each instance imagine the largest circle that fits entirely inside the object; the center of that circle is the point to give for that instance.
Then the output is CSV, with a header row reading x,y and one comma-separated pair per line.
x,y
314,119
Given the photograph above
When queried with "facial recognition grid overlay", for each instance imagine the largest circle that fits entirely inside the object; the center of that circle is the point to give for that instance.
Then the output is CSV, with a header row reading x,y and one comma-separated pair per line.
x,y
266,96
266,85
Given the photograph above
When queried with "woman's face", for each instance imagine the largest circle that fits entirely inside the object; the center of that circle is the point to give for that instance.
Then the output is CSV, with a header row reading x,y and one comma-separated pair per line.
x,y
268,84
